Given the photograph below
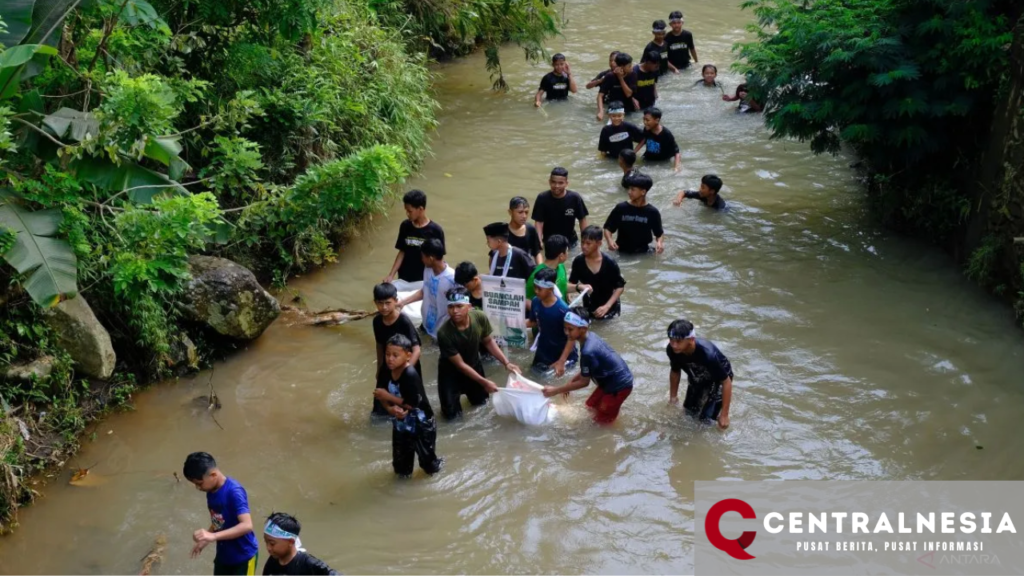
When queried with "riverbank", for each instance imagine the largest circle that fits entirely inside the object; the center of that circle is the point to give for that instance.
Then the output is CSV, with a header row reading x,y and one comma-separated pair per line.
x,y
256,134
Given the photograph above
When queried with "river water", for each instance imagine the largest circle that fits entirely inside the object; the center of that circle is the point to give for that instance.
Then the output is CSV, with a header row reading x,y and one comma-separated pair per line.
x,y
857,356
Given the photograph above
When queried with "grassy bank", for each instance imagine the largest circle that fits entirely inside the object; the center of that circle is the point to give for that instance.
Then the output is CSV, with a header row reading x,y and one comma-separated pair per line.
x,y
134,134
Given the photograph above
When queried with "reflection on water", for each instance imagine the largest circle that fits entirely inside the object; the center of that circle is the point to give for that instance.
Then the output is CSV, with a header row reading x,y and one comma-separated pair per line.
x,y
857,356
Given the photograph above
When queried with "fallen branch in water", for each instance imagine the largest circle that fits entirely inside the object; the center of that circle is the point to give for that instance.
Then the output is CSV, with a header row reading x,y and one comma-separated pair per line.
x,y
214,402
155,556
333,317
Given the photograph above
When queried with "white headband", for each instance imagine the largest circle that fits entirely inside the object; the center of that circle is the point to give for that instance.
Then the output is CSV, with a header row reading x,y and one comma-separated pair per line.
x,y
575,320
616,110
543,284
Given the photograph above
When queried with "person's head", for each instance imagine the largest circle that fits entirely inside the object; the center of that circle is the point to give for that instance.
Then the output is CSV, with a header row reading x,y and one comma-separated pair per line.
x,y
681,336
611,58
519,211
467,276
544,283
652,117
201,470
415,204
458,304
558,181
675,20
280,533
639,185
591,239
558,63
659,28
577,323
616,112
623,60
710,185
627,158
556,247
398,352
709,72
497,235
651,61
432,253
742,91
385,297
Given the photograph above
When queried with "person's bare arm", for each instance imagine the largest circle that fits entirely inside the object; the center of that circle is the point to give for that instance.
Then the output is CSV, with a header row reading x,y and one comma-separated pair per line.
x,y
386,398
600,107
642,143
673,386
603,310
625,86
243,527
609,239
583,223
468,370
411,299
380,357
572,83
559,364
491,346
394,267
723,416
416,350
578,381
678,162
693,53
536,99
539,225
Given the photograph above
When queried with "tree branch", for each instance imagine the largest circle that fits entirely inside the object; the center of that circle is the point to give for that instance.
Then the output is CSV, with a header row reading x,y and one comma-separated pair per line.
x,y
39,130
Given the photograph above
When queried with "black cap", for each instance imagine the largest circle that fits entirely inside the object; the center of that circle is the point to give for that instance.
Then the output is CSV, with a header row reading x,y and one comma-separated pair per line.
x,y
496,230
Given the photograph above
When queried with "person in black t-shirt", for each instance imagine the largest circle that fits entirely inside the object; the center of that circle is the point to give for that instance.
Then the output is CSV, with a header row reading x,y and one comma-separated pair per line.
x,y
414,432
599,273
521,233
708,193
680,44
467,276
708,374
618,86
647,80
636,221
287,557
709,78
506,260
619,135
659,46
557,210
388,322
627,160
412,233
558,83
600,76
659,142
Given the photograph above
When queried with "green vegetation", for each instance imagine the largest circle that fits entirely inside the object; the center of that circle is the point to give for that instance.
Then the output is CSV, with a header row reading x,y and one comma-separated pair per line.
x,y
136,133
929,95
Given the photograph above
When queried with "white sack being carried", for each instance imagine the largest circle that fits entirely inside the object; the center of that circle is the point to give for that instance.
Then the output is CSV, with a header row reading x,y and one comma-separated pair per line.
x,y
406,289
523,400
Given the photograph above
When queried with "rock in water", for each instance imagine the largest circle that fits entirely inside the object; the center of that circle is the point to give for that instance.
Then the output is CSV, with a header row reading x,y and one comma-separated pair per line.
x,y
226,297
82,335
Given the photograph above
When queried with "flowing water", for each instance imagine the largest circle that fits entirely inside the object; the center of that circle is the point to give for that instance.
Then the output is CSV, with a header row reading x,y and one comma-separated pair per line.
x,y
857,356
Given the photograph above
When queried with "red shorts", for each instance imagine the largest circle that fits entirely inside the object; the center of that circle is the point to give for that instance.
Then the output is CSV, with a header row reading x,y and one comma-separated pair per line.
x,y
606,406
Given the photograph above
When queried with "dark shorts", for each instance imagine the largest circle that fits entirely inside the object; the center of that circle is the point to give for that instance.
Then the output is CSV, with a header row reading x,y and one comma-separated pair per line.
x,y
406,446
606,406
247,568
709,413
452,384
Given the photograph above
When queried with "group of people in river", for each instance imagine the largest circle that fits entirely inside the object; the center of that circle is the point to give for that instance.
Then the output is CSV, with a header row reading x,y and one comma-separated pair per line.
x,y
452,302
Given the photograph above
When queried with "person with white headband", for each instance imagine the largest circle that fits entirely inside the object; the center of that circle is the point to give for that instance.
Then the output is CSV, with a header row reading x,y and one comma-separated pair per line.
x,y
287,556
619,135
680,44
658,45
459,368
598,362
708,373
547,312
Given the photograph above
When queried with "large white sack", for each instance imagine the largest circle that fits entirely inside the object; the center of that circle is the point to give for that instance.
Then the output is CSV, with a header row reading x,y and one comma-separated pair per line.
x,y
406,289
523,400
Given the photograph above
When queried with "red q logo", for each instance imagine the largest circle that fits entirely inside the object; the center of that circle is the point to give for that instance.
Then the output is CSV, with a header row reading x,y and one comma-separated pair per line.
x,y
735,548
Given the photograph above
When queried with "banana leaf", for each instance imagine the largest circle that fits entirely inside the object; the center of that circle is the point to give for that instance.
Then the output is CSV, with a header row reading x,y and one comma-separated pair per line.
x,y
48,262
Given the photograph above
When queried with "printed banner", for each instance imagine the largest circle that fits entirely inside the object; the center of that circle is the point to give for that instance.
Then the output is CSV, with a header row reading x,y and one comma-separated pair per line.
x,y
852,528
505,305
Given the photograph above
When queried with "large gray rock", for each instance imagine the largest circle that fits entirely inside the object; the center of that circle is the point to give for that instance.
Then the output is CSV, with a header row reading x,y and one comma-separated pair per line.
x,y
38,370
84,338
226,297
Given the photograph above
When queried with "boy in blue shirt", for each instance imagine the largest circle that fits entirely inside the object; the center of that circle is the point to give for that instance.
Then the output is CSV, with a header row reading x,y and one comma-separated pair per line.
x,y
598,362
230,520
547,312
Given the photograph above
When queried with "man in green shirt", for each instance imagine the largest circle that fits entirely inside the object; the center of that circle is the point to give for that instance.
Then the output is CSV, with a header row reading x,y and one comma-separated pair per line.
x,y
459,369
556,252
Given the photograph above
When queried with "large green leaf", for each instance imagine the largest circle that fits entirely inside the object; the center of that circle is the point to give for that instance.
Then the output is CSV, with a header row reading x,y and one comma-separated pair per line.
x,y
49,262
81,124
143,182
165,150
17,15
20,54
138,12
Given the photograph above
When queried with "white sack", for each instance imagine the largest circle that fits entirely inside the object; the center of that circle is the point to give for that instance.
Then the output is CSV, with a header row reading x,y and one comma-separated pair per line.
x,y
406,289
523,400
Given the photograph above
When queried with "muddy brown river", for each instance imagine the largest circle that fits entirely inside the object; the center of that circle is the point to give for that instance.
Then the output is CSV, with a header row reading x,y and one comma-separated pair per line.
x,y
858,355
